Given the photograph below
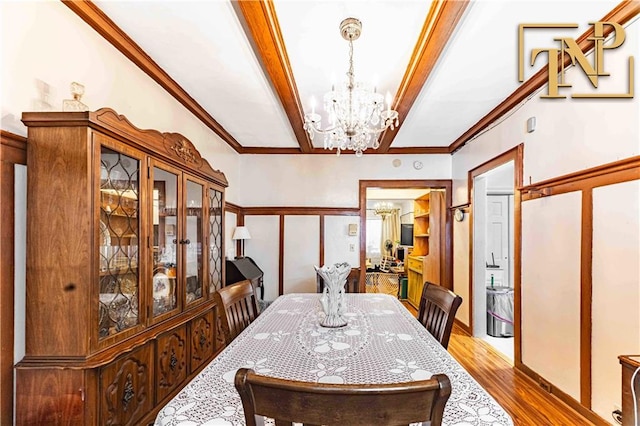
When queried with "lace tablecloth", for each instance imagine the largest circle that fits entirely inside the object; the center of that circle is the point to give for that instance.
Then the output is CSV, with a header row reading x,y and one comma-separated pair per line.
x,y
382,343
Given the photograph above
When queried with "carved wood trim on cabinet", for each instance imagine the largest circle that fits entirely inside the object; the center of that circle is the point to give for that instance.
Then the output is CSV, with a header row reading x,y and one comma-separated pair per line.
x,y
67,358
171,362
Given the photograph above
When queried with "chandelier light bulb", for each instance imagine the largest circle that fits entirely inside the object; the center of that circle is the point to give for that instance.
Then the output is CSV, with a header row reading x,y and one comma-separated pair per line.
x,y
354,109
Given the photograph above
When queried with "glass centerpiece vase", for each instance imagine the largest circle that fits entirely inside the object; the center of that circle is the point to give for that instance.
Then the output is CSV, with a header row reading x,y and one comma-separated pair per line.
x,y
332,299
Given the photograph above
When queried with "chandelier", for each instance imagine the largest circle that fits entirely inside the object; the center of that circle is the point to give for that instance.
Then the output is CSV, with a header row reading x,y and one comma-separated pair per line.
x,y
383,209
356,111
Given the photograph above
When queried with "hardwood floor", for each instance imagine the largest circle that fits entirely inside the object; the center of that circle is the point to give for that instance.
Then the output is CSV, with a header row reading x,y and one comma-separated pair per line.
x,y
527,404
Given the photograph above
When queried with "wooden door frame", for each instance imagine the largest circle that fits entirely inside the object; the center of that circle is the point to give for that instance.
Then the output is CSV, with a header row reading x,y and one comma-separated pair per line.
x,y
445,184
515,154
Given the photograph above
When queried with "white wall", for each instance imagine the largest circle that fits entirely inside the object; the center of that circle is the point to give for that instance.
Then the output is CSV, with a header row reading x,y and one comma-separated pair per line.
x,y
230,223
616,289
551,289
45,41
338,242
301,253
325,180
570,135
264,249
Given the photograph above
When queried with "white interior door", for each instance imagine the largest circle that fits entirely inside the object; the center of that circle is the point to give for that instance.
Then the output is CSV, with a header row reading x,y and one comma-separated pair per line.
x,y
497,249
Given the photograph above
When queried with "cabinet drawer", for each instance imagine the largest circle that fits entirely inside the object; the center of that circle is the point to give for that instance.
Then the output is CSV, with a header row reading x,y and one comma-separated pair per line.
x,y
126,388
171,362
201,339
415,264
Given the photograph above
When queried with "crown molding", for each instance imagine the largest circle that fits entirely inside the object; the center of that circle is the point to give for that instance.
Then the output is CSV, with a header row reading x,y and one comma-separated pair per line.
x,y
99,21
14,148
321,151
621,14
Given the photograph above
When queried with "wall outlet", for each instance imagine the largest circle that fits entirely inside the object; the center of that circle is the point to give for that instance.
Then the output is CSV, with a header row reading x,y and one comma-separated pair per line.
x,y
544,384
352,247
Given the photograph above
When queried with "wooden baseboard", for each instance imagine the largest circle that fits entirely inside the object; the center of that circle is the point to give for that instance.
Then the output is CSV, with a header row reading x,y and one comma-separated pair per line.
x,y
462,326
560,395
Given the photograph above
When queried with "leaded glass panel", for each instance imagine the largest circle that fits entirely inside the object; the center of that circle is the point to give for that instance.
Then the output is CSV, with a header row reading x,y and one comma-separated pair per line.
x,y
119,231
215,240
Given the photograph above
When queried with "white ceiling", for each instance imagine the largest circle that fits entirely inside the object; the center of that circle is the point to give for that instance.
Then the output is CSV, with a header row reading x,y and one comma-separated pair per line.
x,y
203,47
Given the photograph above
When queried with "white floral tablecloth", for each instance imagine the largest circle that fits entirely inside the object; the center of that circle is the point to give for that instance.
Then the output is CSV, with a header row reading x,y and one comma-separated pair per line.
x,y
382,343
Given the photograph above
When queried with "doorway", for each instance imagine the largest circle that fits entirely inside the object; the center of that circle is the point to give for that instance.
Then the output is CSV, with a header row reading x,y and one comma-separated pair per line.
x,y
495,313
398,250
493,248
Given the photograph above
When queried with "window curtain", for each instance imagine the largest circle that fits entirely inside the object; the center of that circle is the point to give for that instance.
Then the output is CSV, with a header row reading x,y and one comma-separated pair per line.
x,y
390,231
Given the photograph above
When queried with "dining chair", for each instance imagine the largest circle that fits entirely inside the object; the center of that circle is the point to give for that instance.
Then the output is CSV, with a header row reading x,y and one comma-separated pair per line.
x,y
437,311
288,401
238,308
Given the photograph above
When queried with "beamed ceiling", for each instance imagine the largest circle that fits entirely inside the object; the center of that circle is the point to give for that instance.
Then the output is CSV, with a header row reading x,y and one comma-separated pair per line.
x,y
248,69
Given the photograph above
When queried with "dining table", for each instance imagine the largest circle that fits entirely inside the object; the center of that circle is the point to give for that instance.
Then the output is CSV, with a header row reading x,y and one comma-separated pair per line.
x,y
381,343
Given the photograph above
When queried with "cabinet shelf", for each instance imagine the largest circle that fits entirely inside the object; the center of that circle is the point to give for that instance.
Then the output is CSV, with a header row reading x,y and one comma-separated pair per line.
x,y
126,339
119,212
421,235
422,215
127,193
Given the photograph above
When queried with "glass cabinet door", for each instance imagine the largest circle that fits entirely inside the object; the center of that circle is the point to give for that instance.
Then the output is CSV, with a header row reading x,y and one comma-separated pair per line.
x,y
215,240
119,231
192,241
164,250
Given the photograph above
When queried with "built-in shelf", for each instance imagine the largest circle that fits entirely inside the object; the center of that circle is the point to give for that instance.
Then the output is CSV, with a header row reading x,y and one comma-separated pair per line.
x,y
420,235
420,215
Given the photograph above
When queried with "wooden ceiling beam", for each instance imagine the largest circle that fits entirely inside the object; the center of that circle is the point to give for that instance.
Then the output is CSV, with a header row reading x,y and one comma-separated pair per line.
x,y
99,21
441,20
261,25
621,14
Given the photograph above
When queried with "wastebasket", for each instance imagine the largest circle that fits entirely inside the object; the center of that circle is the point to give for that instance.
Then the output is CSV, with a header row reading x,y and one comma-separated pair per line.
x,y
500,311
402,291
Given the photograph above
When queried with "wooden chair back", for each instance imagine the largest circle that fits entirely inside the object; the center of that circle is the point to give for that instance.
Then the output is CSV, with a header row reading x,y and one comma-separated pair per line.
x,y
238,308
438,307
351,286
289,401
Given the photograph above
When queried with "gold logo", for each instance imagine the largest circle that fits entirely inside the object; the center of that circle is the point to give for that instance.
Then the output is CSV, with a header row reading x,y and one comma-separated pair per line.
x,y
569,52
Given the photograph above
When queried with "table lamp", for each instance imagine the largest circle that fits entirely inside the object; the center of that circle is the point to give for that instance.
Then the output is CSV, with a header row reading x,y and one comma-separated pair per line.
x,y
241,233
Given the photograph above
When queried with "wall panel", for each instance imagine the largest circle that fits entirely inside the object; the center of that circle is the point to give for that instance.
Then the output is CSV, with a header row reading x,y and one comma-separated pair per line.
x,y
461,269
337,242
616,288
264,248
551,289
301,253
230,223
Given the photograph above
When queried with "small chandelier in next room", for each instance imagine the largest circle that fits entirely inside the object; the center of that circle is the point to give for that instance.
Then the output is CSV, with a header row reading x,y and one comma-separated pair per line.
x,y
383,209
356,112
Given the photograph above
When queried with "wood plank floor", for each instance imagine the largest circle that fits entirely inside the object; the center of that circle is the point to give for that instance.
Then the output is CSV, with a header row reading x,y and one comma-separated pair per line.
x,y
527,404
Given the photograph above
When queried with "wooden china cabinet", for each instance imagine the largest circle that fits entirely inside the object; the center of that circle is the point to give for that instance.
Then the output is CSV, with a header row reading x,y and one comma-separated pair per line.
x,y
124,253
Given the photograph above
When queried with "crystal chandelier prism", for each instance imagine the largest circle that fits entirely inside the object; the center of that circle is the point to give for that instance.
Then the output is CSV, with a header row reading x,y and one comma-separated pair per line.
x,y
356,112
383,209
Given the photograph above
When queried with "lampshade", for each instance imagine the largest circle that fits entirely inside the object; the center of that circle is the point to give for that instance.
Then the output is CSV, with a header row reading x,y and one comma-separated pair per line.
x,y
241,233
